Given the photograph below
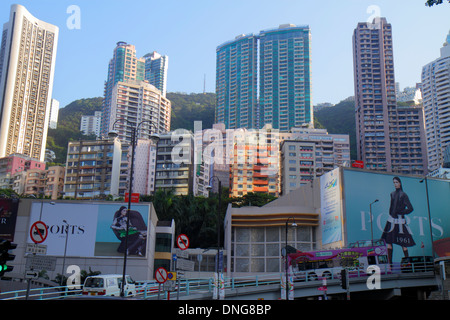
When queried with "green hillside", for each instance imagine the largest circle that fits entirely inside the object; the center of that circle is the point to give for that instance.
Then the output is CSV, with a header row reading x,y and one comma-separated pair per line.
x,y
68,129
339,118
187,108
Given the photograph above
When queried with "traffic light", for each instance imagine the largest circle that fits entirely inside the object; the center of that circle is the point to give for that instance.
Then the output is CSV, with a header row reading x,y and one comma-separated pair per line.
x,y
5,256
344,279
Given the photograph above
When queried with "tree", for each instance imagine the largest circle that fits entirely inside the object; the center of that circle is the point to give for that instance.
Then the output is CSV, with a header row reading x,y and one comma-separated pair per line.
x,y
431,3
252,199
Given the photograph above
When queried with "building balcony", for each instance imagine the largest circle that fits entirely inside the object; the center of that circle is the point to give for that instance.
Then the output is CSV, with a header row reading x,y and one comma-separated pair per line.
x,y
259,175
260,189
260,182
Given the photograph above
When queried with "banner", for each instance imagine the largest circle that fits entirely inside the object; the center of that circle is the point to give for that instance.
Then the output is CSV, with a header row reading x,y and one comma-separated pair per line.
x,y
92,230
290,285
331,207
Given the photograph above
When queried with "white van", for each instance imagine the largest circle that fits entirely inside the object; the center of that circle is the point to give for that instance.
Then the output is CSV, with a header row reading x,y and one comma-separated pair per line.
x,y
108,285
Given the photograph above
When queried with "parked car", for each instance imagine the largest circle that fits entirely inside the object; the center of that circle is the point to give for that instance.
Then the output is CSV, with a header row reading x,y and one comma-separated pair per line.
x,y
108,285
417,264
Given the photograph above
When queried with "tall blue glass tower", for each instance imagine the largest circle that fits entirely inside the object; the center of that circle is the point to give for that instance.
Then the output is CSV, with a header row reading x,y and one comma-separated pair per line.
x,y
237,83
265,79
285,77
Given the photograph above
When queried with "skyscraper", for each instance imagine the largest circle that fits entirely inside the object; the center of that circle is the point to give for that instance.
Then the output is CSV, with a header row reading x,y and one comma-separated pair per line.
x,y
285,77
156,67
237,83
124,66
27,66
388,137
265,79
374,92
138,101
436,103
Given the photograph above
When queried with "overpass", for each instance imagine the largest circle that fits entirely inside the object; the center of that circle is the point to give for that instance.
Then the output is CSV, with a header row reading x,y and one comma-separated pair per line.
x,y
411,286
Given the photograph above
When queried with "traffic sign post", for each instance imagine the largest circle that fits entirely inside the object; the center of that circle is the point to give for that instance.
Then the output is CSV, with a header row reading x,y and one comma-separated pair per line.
x,y
183,242
32,275
38,232
161,275
134,197
324,288
36,248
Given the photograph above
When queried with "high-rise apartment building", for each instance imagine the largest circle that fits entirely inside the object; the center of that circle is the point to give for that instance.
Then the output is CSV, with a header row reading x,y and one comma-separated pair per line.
x,y
156,66
54,112
27,66
375,101
436,103
308,153
140,104
254,162
386,139
265,79
285,77
175,163
126,67
91,124
237,83
93,168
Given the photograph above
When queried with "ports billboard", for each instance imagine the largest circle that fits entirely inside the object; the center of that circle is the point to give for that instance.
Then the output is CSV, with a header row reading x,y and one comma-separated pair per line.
x,y
92,229
403,212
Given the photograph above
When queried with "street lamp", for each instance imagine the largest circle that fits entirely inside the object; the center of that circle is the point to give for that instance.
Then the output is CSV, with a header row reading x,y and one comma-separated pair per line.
x,y
429,213
65,250
286,255
371,220
209,187
114,134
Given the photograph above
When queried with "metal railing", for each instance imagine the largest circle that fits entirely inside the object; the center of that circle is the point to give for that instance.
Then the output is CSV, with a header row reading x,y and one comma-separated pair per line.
x,y
205,286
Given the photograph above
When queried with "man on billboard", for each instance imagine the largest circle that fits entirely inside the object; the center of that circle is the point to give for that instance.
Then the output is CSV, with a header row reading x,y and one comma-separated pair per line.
x,y
396,230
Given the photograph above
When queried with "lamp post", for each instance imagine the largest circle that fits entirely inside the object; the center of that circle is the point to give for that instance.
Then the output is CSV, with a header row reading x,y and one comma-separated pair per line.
x,y
65,251
286,256
209,187
429,213
371,220
114,134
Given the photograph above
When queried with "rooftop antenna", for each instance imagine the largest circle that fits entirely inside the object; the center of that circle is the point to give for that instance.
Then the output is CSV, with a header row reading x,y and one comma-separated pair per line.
x,y
204,83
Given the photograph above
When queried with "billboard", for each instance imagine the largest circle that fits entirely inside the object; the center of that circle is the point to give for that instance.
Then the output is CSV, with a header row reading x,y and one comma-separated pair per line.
x,y
8,217
331,207
92,230
401,215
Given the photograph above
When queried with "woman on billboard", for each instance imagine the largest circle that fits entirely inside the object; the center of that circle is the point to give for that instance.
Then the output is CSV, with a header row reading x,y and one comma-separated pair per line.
x,y
137,231
396,230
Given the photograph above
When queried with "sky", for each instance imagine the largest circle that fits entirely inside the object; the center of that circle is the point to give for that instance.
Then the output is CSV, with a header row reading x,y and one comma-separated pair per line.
x,y
190,31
